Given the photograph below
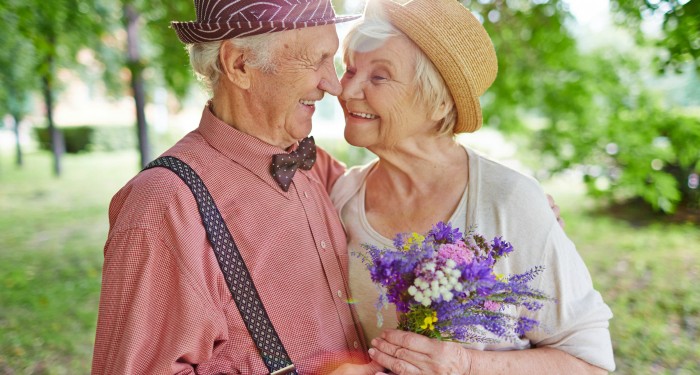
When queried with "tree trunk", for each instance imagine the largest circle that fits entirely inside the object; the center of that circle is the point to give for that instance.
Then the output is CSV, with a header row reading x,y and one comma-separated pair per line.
x,y
18,145
54,134
136,67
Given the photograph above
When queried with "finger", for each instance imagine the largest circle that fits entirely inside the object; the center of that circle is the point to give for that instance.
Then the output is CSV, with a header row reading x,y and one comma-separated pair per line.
x,y
395,365
561,222
384,346
413,357
409,340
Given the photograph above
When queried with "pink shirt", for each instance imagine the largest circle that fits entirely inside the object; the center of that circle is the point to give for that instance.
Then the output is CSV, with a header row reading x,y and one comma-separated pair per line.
x,y
165,307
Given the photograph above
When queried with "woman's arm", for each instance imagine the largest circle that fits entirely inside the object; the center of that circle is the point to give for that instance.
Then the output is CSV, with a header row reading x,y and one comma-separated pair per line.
x,y
410,353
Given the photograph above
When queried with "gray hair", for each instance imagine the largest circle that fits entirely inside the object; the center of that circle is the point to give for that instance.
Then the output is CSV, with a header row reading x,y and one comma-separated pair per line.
x,y
204,57
432,91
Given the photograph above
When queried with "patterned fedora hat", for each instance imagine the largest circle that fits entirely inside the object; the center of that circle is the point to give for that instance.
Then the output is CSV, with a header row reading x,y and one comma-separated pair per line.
x,y
225,19
457,44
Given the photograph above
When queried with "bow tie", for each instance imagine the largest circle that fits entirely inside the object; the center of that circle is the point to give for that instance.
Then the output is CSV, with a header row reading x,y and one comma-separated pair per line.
x,y
285,165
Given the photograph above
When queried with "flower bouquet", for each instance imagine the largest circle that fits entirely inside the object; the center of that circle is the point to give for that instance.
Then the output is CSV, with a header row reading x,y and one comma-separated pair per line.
x,y
444,286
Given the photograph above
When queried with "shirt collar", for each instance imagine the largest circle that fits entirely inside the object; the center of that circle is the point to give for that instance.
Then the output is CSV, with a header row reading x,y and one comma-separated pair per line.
x,y
250,152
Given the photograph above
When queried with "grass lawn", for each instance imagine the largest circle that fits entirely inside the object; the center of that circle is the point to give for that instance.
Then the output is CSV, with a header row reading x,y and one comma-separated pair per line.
x,y
52,232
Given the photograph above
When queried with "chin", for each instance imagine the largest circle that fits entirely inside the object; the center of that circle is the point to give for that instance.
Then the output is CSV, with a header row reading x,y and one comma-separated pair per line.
x,y
354,139
301,131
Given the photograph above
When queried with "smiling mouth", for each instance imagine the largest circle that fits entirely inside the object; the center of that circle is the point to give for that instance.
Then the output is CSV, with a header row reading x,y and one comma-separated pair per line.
x,y
308,103
363,115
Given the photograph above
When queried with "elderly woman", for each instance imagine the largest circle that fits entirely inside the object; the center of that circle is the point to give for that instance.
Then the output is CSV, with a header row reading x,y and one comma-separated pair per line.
x,y
414,75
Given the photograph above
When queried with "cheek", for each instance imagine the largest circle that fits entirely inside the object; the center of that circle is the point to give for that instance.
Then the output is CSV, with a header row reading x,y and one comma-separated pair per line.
x,y
396,108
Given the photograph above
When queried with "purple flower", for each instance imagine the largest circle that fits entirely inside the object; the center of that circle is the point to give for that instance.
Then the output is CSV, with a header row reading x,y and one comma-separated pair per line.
x,y
500,247
444,233
472,305
524,325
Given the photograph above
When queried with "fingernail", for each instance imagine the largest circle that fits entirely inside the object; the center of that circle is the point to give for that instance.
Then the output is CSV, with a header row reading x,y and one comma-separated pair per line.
x,y
374,342
371,352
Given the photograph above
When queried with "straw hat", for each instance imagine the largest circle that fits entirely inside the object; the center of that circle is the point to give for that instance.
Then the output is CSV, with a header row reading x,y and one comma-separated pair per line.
x,y
225,19
457,44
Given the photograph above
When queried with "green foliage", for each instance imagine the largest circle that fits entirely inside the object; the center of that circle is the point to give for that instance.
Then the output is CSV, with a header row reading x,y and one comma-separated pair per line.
x,y
647,274
53,231
91,138
164,54
113,138
573,104
680,41
17,79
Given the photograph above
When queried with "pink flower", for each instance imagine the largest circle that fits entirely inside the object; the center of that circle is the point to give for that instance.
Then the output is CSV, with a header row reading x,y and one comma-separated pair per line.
x,y
492,306
457,252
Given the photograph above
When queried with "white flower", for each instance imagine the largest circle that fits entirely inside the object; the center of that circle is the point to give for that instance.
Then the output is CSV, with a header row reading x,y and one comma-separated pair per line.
x,y
418,297
412,290
447,296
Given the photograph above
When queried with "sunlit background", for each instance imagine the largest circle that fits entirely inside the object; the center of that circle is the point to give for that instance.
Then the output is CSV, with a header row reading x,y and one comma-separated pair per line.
x,y
599,100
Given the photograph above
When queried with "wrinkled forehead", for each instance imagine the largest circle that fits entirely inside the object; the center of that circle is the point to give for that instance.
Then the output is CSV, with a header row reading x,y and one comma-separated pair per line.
x,y
308,40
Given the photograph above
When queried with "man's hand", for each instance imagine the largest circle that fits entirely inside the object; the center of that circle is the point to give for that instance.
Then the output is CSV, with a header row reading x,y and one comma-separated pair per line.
x,y
352,369
555,209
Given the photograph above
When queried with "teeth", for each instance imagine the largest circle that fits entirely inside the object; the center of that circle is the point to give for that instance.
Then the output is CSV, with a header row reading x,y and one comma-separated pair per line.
x,y
307,102
364,115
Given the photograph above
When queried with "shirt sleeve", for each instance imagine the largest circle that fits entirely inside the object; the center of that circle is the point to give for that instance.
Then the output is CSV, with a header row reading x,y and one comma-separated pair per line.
x,y
577,321
329,168
151,318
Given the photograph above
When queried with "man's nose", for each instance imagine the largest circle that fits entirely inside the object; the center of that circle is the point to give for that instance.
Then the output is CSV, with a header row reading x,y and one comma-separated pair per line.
x,y
329,81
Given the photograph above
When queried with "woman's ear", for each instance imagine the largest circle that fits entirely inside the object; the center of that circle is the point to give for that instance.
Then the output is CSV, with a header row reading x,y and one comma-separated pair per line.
x,y
441,111
233,65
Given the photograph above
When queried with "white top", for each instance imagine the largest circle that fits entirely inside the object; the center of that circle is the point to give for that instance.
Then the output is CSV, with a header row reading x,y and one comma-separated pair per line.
x,y
499,202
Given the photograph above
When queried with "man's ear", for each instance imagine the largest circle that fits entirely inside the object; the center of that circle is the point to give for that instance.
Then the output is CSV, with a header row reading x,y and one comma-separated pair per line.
x,y
233,65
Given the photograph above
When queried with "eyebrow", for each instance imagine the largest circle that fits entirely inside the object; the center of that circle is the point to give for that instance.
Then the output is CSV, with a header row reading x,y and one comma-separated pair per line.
x,y
385,61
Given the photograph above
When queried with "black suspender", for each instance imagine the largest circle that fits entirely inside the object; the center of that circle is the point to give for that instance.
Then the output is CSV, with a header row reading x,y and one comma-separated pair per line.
x,y
234,269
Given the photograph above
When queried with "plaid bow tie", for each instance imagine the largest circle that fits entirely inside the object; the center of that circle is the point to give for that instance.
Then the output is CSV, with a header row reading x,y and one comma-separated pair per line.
x,y
285,165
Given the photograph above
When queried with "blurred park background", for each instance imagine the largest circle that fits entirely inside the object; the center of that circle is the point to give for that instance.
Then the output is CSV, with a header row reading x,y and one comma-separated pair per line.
x,y
598,99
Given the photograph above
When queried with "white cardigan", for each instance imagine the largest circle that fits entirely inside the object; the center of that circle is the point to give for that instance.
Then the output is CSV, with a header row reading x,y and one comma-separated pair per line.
x,y
500,202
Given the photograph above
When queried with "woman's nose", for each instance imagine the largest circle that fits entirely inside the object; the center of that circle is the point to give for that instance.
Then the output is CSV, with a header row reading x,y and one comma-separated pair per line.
x,y
352,88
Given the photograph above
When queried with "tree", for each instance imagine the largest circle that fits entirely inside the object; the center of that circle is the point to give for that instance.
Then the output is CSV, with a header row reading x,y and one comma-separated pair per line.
x,y
16,76
679,43
150,50
57,30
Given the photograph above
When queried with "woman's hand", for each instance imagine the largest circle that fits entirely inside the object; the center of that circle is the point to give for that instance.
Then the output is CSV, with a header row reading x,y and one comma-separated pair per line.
x,y
410,353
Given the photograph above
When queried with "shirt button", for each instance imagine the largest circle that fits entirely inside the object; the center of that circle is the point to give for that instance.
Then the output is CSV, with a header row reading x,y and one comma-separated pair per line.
x,y
306,194
323,244
340,294
355,344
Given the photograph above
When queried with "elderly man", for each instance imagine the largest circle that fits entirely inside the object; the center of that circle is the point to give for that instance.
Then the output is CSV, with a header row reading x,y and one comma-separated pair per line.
x,y
166,306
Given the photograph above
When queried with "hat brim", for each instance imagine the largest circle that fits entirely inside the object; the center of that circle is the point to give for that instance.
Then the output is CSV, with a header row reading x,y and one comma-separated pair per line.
x,y
431,38
196,32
